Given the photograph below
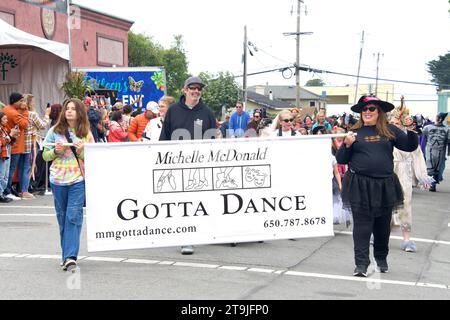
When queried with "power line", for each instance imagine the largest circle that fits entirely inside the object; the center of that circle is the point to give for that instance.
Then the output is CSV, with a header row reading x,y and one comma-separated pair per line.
x,y
308,69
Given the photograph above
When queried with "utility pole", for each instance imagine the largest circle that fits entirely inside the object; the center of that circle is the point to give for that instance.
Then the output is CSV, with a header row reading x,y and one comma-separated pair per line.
x,y
244,82
376,81
359,68
297,60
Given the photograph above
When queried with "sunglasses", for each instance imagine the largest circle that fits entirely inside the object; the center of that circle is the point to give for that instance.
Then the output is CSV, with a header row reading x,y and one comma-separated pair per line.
x,y
371,109
195,88
287,120
256,116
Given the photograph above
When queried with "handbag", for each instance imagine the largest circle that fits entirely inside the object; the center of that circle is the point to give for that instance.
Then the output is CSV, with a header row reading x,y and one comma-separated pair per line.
x,y
74,150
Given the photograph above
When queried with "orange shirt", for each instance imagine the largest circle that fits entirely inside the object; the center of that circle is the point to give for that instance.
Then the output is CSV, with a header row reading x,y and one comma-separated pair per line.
x,y
17,118
137,127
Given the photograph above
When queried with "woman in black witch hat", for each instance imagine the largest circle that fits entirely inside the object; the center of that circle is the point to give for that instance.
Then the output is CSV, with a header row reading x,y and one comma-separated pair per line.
x,y
370,187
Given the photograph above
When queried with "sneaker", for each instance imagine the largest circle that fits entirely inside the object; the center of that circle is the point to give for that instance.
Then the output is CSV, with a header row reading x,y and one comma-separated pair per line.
x,y
410,246
69,264
12,197
432,188
4,199
403,245
360,271
187,250
27,196
382,266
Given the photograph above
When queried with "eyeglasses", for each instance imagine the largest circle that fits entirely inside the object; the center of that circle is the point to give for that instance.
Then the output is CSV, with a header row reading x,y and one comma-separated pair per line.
x,y
256,116
196,88
371,109
288,120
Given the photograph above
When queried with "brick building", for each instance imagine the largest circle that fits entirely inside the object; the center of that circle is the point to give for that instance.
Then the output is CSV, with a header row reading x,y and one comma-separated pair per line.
x,y
97,40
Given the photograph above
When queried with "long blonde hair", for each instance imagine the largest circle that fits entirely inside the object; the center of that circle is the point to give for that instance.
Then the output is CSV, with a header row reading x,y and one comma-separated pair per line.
x,y
28,101
381,126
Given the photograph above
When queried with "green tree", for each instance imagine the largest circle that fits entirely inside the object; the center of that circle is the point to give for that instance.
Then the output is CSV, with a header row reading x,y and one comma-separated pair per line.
x,y
144,52
315,83
221,90
176,65
75,86
440,70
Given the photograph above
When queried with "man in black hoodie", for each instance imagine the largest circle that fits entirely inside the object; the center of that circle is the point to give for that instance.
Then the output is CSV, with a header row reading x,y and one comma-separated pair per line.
x,y
189,119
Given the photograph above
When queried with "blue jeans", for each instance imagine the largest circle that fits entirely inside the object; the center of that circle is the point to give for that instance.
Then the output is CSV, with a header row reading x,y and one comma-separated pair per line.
x,y
24,171
4,173
14,160
23,160
69,202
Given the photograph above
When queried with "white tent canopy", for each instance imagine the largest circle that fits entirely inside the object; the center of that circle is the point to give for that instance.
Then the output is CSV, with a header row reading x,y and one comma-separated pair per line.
x,y
40,67
10,35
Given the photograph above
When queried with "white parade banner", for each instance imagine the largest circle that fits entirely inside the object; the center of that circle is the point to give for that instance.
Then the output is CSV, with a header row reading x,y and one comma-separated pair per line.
x,y
172,193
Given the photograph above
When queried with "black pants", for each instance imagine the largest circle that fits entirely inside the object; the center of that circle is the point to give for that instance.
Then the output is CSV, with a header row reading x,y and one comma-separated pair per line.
x,y
364,224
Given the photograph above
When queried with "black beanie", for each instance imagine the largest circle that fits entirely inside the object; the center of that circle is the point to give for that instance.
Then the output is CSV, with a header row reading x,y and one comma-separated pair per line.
x,y
14,97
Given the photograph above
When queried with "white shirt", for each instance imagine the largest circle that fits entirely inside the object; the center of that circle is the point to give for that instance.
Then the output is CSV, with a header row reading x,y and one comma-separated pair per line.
x,y
153,128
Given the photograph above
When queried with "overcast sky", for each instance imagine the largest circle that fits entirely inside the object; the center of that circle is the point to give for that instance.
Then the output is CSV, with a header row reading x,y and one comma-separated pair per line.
x,y
408,33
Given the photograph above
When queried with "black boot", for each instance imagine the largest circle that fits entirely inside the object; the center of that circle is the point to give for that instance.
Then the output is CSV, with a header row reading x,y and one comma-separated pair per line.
x,y
433,187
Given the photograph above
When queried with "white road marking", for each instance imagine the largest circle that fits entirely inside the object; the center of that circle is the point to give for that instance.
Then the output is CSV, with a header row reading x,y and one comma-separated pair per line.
x,y
196,265
370,279
105,259
142,261
27,207
233,268
260,270
27,214
44,215
8,255
50,256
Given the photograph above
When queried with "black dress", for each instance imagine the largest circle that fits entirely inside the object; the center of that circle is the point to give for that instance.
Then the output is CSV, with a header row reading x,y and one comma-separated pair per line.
x,y
370,185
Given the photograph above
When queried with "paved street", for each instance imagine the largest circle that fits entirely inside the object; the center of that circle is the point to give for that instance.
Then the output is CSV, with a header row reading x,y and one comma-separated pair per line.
x,y
319,268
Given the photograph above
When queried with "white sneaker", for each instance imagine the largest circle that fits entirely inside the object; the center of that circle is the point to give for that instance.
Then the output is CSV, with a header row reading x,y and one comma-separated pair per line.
x,y
11,196
69,264
187,250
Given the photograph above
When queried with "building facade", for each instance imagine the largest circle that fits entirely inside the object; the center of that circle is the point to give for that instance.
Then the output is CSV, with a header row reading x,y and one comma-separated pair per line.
x,y
287,94
98,39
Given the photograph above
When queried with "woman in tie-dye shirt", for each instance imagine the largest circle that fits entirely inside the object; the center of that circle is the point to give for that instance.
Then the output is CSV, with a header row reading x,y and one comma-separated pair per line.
x,y
66,175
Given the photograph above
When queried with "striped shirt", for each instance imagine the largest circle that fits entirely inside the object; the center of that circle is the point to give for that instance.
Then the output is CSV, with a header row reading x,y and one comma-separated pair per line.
x,y
35,124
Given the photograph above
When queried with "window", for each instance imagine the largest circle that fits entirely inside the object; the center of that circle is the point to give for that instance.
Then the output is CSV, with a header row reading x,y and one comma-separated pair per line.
x,y
312,103
7,16
110,51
